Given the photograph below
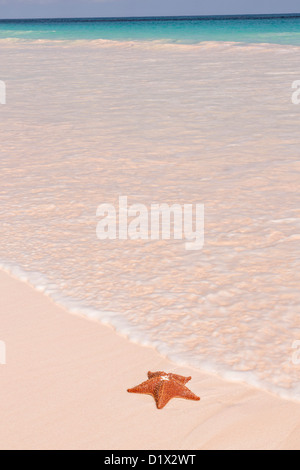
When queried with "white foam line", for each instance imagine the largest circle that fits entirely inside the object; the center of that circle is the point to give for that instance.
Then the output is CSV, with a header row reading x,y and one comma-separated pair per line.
x,y
124,328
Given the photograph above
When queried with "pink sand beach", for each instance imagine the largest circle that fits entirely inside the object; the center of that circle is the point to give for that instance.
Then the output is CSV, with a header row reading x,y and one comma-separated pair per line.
x,y
83,319
68,391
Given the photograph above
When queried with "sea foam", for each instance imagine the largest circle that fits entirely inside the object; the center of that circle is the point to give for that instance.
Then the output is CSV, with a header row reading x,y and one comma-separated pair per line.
x,y
85,124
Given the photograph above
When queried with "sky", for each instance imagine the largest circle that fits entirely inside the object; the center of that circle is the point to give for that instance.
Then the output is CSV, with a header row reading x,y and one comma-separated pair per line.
x,y
104,8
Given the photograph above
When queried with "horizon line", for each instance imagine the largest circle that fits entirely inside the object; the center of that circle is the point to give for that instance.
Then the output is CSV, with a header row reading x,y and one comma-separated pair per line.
x,y
162,17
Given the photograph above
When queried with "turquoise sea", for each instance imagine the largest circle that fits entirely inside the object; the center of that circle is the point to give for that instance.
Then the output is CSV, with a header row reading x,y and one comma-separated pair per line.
x,y
278,29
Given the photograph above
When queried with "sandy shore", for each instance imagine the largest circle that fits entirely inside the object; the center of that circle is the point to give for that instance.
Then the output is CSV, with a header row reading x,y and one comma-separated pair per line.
x,y
65,380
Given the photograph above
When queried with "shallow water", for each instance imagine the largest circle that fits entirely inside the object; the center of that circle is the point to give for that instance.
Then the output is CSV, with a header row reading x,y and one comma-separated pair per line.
x,y
89,121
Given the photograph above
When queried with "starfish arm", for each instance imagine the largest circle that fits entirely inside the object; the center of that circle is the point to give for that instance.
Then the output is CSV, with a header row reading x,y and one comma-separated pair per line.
x,y
188,395
147,387
162,395
180,378
172,389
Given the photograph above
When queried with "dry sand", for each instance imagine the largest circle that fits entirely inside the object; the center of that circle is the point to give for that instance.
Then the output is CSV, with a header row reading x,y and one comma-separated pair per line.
x,y
64,387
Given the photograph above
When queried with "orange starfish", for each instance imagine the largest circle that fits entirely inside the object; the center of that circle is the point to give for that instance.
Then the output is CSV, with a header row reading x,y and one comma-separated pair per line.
x,y
163,387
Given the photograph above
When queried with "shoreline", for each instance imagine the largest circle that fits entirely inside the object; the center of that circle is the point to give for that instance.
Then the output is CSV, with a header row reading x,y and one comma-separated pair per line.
x,y
146,43
111,320
68,391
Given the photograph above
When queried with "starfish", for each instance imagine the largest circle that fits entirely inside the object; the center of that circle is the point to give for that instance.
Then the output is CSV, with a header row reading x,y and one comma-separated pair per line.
x,y
163,387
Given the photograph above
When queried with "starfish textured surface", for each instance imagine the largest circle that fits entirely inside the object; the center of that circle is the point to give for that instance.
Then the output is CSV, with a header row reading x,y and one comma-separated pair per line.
x,y
163,387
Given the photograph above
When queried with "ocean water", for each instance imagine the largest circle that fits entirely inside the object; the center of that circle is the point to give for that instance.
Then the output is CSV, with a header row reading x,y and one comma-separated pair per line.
x,y
159,122
280,29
